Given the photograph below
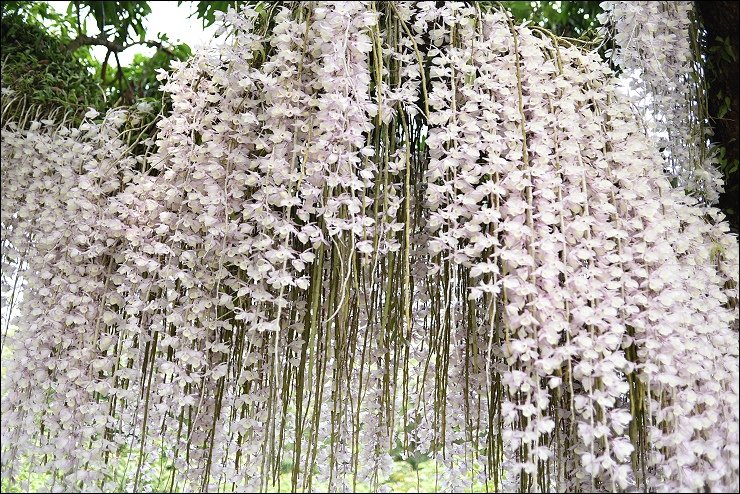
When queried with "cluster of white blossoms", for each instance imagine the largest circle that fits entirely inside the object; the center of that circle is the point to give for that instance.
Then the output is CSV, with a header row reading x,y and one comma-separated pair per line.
x,y
62,241
367,229
657,48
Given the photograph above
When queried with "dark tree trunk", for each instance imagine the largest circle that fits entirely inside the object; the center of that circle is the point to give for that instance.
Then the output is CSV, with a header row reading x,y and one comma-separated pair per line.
x,y
720,19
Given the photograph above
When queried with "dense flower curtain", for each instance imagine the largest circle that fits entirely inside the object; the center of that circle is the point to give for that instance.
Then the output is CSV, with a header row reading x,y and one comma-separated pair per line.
x,y
657,46
366,229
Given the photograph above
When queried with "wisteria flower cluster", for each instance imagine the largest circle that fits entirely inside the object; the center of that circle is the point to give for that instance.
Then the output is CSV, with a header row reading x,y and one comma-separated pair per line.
x,y
657,48
367,228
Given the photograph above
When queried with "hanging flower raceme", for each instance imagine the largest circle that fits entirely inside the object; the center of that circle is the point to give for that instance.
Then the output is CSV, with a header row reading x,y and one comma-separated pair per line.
x,y
657,48
63,241
369,228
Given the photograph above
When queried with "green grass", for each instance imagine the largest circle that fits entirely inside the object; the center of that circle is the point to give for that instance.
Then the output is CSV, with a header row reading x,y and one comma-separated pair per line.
x,y
404,478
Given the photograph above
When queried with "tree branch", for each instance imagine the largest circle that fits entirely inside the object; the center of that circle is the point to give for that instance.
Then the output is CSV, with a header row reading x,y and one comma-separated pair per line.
x,y
158,45
84,40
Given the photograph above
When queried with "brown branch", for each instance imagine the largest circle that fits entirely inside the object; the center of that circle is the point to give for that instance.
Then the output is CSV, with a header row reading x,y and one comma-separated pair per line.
x,y
158,45
127,95
104,67
84,40
79,22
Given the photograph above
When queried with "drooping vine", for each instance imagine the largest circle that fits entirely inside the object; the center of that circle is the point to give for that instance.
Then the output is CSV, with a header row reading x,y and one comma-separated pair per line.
x,y
657,46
